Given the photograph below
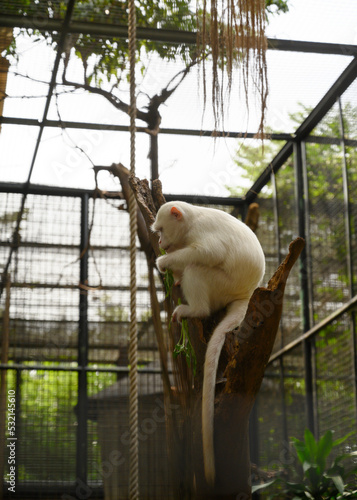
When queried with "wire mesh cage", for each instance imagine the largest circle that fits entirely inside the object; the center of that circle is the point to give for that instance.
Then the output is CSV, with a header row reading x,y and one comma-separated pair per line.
x,y
64,255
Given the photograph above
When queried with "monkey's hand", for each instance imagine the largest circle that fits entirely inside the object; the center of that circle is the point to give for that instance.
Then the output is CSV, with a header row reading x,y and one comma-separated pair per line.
x,y
166,262
162,263
181,311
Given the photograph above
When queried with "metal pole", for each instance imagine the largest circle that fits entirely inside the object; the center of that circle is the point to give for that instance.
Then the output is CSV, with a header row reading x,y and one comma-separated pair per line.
x,y
281,360
133,335
348,306
18,405
348,236
15,236
154,156
309,283
303,271
342,83
276,220
82,407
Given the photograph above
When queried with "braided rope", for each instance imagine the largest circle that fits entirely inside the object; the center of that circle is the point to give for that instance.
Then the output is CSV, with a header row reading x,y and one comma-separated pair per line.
x,y
133,338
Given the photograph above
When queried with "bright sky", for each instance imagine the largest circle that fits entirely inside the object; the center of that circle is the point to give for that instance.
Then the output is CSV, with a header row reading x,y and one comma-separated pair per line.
x,y
187,165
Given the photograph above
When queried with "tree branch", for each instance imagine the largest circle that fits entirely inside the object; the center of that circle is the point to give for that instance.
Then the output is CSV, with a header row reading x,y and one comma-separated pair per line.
x,y
252,217
113,99
253,341
244,359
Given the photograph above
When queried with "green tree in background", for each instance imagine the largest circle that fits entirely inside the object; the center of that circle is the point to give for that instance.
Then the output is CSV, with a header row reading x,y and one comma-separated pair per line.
x,y
325,191
111,55
327,241
323,160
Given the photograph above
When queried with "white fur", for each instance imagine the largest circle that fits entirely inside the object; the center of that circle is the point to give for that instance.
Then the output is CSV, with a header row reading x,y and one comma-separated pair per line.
x,y
219,262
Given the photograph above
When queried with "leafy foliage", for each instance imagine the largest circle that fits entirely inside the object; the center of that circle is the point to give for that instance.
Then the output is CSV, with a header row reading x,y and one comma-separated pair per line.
x,y
277,6
47,425
169,280
108,56
320,480
234,31
322,158
325,185
185,347
252,160
329,277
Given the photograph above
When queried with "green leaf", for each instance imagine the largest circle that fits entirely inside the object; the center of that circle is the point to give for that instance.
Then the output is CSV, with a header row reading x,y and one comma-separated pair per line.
x,y
311,445
184,346
169,280
350,494
259,487
324,447
307,466
338,482
338,459
295,487
343,439
301,450
178,349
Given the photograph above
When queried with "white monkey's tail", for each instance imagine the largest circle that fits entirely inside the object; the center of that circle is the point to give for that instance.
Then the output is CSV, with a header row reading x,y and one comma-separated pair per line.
x,y
235,315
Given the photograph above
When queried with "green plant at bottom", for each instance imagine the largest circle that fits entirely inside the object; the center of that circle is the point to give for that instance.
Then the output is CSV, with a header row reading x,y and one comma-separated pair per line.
x,y
185,347
320,480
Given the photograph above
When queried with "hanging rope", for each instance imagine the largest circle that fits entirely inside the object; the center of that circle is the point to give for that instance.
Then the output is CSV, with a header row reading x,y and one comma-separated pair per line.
x,y
133,339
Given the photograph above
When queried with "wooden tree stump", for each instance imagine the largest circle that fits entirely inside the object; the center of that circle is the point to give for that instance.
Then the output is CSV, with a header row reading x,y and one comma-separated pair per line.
x,y
241,370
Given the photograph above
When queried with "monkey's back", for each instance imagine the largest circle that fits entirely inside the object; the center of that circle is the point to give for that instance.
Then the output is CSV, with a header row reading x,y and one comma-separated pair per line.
x,y
242,256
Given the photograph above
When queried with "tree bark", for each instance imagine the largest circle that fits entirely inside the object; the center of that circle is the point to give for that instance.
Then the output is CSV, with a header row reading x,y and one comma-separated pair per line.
x,y
154,156
241,370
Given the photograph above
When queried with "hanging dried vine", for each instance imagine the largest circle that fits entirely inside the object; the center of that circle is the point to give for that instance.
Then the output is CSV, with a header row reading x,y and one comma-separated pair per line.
x,y
234,32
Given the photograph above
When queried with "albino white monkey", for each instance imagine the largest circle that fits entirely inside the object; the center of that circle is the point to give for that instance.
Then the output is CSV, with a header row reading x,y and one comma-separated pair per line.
x,y
219,262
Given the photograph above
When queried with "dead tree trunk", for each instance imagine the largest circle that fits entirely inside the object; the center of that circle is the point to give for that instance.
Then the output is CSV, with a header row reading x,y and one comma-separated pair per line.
x,y
240,373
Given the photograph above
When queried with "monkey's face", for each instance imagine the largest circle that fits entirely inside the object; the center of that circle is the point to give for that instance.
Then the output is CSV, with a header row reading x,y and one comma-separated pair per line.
x,y
170,225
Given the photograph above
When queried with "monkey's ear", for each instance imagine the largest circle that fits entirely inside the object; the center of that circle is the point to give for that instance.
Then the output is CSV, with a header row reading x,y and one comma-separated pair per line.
x,y
176,213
